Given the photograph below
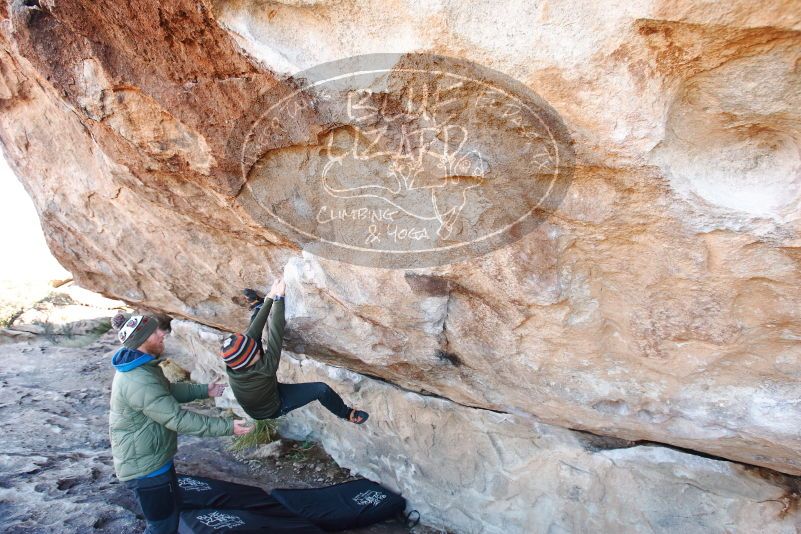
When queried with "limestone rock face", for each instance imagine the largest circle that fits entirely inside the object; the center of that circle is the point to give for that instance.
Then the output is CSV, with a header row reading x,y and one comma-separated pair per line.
x,y
658,300
472,470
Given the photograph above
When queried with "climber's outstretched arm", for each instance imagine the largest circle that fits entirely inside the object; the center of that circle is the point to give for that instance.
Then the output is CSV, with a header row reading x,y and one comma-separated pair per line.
x,y
275,338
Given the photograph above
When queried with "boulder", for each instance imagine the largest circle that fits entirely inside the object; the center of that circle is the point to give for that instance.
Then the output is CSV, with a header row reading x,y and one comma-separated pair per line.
x,y
474,470
654,299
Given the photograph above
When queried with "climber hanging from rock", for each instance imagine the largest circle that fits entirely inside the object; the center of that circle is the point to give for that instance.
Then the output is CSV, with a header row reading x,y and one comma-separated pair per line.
x,y
252,368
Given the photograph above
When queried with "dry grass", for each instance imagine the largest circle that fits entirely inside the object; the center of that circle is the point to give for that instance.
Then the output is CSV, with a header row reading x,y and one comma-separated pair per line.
x,y
266,431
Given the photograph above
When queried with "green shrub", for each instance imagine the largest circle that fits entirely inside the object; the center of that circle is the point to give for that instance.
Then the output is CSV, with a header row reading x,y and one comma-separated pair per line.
x,y
9,315
301,452
101,328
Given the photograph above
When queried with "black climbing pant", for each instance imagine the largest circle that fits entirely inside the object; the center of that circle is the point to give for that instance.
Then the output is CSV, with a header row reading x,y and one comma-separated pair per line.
x,y
294,396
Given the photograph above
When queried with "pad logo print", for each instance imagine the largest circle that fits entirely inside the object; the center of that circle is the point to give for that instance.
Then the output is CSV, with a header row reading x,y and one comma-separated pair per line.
x,y
218,520
190,484
367,498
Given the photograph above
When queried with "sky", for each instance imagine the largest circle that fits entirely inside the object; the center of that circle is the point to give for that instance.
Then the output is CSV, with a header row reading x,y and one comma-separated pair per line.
x,y
24,251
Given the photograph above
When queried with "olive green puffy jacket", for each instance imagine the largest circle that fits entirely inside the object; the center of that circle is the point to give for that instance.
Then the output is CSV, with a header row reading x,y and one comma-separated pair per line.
x,y
145,419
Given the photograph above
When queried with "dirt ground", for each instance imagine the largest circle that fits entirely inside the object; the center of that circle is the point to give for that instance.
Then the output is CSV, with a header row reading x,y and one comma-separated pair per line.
x,y
56,471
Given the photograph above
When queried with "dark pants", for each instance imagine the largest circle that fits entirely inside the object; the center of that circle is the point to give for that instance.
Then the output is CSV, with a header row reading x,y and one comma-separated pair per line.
x,y
160,501
294,396
255,310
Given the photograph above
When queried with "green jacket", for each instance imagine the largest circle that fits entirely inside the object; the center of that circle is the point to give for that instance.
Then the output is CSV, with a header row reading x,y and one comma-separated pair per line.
x,y
146,417
256,387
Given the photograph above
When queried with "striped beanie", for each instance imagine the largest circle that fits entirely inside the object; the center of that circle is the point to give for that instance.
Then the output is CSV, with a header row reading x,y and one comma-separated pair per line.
x,y
238,350
135,330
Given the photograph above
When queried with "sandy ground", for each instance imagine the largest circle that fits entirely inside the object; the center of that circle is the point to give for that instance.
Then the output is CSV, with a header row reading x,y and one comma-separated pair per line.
x,y
56,471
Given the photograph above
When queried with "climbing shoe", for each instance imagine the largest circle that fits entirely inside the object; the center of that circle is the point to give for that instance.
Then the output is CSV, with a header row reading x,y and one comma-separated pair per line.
x,y
358,416
253,298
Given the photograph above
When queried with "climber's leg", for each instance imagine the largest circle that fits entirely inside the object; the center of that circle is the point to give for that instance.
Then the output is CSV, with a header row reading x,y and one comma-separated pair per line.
x,y
255,301
294,396
255,312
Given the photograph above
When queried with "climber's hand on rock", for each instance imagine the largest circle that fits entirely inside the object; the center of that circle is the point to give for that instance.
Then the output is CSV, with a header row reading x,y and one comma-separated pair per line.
x,y
241,427
216,389
277,288
272,292
280,287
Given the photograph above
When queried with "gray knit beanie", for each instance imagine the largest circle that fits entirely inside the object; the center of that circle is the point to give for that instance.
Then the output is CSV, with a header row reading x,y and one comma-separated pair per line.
x,y
135,330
